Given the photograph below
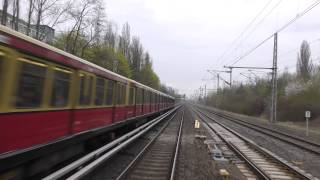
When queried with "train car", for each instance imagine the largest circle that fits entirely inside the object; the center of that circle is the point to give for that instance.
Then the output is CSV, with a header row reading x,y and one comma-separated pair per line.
x,y
48,95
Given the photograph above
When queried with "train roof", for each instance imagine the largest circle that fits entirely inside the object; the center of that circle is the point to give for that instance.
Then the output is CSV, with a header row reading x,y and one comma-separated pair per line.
x,y
73,57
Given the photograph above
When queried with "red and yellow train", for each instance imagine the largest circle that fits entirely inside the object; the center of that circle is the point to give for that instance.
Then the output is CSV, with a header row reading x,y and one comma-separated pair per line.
x,y
47,94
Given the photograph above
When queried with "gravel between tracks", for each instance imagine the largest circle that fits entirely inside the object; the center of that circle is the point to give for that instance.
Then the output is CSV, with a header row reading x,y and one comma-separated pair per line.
x,y
194,160
305,160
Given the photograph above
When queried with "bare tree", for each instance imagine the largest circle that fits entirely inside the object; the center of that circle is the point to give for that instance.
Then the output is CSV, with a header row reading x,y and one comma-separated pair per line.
x,y
110,35
40,8
50,13
125,40
80,21
136,51
4,12
15,14
30,12
304,65
87,26
98,21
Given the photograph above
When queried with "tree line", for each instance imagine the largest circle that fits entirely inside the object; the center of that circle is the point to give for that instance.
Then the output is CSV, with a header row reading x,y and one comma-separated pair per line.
x,y
87,33
297,92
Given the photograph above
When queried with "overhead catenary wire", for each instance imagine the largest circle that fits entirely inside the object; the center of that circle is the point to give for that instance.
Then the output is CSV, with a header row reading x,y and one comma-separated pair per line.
x,y
258,24
245,29
299,15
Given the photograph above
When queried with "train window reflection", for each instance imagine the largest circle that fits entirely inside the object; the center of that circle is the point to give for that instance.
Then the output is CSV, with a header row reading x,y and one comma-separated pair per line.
x,y
82,90
132,96
99,91
90,86
123,99
119,94
109,95
1,62
31,84
61,86
139,96
147,97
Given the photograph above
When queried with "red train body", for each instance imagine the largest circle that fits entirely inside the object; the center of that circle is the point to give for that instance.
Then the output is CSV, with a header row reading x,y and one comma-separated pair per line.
x,y
25,128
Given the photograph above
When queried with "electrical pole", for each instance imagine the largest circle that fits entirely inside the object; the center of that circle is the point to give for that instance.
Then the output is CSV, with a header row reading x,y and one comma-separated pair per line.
x,y
217,71
218,81
274,81
230,77
205,94
230,80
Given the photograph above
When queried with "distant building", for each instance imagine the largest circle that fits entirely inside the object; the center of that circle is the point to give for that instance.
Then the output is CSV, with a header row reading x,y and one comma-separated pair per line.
x,y
46,33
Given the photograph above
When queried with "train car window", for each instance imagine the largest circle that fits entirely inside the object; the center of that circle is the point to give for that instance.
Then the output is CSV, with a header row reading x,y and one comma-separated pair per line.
x,y
123,94
99,92
139,96
90,87
86,86
60,88
31,84
157,98
132,96
109,95
1,66
119,93
82,95
147,97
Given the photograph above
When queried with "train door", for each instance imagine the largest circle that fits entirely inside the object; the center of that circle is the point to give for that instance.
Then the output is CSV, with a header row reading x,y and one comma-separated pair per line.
x,y
132,101
7,77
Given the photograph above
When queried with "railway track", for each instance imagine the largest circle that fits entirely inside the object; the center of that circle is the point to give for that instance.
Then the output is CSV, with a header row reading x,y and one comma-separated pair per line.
x,y
158,159
88,163
259,162
287,138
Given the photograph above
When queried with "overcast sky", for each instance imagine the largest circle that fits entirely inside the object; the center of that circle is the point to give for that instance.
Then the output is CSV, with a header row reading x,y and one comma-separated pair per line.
x,y
187,37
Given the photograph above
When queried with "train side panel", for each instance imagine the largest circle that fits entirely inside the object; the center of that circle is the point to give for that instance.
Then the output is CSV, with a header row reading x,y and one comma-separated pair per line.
x,y
23,130
86,119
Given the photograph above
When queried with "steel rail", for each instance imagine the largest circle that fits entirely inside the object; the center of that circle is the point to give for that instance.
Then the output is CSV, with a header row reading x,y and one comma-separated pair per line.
x,y
264,131
126,171
252,166
97,153
90,167
174,164
265,152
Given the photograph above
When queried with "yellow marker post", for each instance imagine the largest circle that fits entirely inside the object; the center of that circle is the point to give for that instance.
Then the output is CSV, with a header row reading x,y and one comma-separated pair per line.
x,y
197,124
224,174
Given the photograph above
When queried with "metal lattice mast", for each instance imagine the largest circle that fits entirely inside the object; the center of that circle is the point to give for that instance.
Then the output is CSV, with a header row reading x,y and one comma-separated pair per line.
x,y
274,81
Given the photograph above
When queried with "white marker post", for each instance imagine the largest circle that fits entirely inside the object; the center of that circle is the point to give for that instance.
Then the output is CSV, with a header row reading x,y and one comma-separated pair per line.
x,y
196,124
307,115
